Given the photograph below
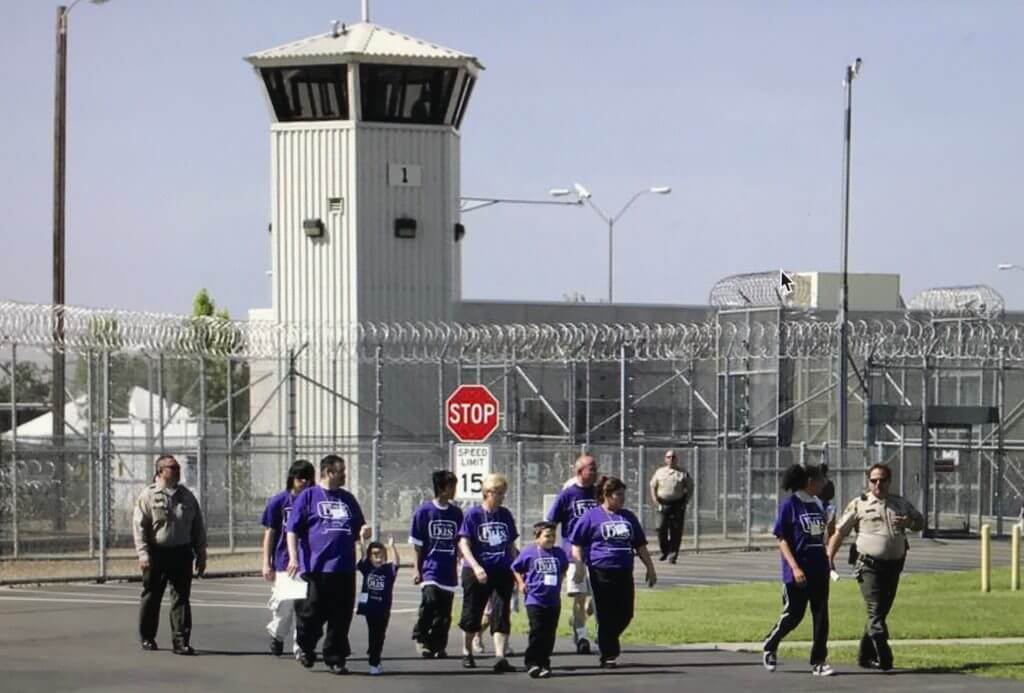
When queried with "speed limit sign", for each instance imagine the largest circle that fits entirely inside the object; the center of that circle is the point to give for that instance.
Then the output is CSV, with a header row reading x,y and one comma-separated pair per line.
x,y
472,463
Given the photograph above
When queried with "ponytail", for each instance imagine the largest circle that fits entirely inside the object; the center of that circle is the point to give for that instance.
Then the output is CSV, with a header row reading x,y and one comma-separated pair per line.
x,y
606,486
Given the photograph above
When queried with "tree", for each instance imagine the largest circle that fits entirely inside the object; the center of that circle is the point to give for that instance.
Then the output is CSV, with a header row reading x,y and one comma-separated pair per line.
x,y
32,386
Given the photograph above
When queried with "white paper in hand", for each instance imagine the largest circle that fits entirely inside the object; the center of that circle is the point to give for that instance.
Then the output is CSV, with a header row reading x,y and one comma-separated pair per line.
x,y
286,587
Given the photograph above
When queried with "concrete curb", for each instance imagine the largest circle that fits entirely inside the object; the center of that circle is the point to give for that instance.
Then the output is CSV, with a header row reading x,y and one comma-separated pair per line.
x,y
757,646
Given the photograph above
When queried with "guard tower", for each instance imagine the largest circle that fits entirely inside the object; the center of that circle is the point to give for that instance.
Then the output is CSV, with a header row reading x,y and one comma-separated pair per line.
x,y
364,195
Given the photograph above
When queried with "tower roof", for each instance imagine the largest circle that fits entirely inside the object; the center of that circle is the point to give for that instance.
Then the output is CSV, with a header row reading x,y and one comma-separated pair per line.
x,y
359,41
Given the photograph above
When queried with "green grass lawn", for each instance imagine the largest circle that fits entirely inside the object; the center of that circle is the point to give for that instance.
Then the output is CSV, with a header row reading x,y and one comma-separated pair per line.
x,y
995,661
928,605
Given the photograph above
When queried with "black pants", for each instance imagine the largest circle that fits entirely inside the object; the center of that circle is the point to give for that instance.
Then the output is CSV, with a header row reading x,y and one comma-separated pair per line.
x,y
878,583
795,599
172,565
543,627
613,601
670,526
475,596
435,618
330,599
376,628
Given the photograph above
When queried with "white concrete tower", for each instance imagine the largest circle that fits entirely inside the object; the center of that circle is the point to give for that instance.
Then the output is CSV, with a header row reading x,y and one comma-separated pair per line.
x,y
364,192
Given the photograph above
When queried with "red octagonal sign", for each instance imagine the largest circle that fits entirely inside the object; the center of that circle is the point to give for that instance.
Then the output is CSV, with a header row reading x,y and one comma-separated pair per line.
x,y
471,413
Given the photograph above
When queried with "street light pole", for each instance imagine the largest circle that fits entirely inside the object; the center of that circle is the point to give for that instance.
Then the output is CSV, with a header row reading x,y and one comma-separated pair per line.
x,y
852,70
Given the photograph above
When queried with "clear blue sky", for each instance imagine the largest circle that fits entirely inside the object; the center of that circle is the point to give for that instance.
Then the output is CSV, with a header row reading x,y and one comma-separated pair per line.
x,y
736,105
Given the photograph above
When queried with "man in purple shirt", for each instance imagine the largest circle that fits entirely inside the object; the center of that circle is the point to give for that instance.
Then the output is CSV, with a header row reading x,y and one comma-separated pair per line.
x,y
323,532
434,536
539,571
576,498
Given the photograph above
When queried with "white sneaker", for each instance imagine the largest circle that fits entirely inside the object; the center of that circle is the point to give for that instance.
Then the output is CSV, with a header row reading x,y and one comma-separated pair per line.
x,y
770,660
822,670
478,645
376,671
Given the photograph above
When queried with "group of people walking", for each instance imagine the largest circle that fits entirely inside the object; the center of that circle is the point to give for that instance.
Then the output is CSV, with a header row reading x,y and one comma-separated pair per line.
x,y
315,532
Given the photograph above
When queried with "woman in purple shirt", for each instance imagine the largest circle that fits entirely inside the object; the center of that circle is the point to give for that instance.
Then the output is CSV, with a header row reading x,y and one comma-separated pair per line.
x,y
606,538
275,553
800,528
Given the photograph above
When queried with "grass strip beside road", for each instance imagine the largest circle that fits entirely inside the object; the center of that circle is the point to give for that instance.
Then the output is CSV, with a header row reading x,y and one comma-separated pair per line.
x,y
994,661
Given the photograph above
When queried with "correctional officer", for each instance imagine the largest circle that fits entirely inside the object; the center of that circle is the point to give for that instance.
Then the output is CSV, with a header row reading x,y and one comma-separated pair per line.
x,y
671,488
167,525
881,520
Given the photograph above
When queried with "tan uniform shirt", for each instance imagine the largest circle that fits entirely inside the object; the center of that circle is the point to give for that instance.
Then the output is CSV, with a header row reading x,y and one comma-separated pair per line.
x,y
670,484
874,519
167,517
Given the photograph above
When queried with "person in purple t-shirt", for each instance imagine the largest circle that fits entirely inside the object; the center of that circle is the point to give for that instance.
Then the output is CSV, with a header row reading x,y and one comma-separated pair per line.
x,y
606,537
377,594
323,529
539,570
800,527
577,497
487,542
434,536
275,553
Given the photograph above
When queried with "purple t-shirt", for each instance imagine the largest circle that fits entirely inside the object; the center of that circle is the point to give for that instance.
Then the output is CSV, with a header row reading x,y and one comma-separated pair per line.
x,y
608,538
491,536
435,531
327,525
543,570
378,587
802,524
572,503
275,515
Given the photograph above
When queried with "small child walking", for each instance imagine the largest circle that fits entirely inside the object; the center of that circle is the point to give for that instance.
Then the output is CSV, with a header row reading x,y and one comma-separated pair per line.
x,y
376,595
539,571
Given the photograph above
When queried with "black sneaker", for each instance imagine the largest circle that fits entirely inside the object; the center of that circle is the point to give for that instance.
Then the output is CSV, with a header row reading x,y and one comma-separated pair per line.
x,y
769,660
583,646
276,647
545,673
337,668
534,672
150,645
502,666
441,654
468,662
609,663
185,650
662,557
427,654
307,660
673,558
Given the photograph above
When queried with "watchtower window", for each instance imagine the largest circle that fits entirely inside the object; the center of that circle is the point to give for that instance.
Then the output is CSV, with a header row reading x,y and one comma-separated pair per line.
x,y
405,94
317,92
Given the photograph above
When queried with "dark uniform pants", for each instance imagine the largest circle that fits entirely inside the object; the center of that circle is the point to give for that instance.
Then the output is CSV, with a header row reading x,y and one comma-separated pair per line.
x,y
878,583
330,600
435,618
613,601
795,599
670,525
376,630
475,595
174,565
543,629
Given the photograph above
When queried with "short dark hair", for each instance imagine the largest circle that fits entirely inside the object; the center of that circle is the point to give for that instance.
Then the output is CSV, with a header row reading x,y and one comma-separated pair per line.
x,y
884,467
300,469
161,458
329,461
607,485
375,545
541,527
442,479
796,476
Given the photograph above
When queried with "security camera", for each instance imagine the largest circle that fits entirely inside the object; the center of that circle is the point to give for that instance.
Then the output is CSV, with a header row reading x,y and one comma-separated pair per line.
x,y
581,192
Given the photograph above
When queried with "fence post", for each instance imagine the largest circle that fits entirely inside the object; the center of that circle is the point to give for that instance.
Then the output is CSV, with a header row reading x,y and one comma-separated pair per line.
x,y
803,453
201,472
640,482
374,468
986,558
14,451
105,480
290,416
519,486
90,457
378,434
229,429
622,410
696,498
748,504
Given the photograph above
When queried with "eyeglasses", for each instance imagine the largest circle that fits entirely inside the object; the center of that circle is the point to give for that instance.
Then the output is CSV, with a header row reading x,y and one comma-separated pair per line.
x,y
879,480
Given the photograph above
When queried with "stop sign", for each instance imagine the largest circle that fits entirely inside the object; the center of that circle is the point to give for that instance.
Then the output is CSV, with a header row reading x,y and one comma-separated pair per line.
x,y
471,413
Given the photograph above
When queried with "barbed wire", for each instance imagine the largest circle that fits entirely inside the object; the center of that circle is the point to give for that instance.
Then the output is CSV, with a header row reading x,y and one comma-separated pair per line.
x,y
177,336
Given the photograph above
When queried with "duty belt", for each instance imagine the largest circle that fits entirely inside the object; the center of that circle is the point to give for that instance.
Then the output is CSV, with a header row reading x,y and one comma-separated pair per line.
x,y
882,563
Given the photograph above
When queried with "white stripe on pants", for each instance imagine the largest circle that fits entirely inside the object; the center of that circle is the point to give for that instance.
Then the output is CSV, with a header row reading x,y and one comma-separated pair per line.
x,y
282,620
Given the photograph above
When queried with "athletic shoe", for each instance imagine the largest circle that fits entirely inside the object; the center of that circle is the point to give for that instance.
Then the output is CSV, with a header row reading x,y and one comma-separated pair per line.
x,y
609,663
441,654
673,558
185,650
422,650
298,655
426,654
478,644
583,646
337,668
662,557
822,670
468,662
376,670
307,660
276,647
770,660
509,652
502,666
150,645
534,672
545,673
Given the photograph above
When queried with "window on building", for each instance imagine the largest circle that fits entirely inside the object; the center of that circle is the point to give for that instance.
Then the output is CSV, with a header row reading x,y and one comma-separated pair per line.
x,y
405,94
316,92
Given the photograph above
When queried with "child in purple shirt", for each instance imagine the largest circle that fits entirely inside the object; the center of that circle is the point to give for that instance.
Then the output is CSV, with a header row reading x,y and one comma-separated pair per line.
x,y
539,571
275,553
375,598
800,527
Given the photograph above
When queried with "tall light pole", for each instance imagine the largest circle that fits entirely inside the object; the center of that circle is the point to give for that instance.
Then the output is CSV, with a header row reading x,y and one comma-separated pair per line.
x,y
584,195
852,70
59,157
